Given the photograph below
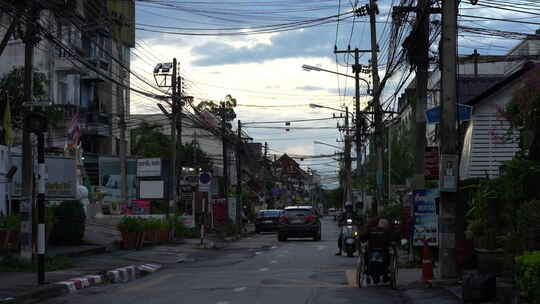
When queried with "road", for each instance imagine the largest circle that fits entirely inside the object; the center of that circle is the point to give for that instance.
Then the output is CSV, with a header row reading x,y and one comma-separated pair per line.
x,y
256,270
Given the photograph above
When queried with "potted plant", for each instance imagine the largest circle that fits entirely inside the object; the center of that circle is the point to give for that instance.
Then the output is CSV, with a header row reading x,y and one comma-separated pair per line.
x,y
485,218
131,230
9,231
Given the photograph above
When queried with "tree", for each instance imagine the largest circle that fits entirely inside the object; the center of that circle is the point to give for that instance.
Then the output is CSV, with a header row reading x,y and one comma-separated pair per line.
x,y
223,110
12,91
148,141
523,114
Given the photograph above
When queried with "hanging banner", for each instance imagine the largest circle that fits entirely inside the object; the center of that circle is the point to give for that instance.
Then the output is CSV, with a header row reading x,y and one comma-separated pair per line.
x,y
425,217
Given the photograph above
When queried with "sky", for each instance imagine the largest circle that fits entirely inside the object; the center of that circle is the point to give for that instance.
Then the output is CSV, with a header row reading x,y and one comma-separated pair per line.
x,y
264,71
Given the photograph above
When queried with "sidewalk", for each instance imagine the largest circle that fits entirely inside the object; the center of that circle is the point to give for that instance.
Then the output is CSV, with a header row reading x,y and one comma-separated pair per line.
x,y
101,262
416,291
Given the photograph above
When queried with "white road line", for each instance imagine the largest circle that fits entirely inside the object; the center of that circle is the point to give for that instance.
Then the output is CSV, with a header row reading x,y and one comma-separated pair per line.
x,y
273,262
240,289
264,269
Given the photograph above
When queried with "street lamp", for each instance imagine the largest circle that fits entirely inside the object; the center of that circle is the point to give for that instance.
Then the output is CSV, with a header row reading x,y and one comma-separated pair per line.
x,y
308,68
323,143
315,106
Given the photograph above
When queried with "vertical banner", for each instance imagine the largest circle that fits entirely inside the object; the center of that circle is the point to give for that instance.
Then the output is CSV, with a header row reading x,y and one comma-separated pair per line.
x,y
425,217
232,209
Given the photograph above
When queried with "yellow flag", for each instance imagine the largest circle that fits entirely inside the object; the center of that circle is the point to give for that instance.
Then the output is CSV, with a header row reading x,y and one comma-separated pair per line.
x,y
8,131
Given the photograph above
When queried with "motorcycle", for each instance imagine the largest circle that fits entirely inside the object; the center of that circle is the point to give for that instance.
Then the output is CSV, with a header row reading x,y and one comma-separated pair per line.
x,y
349,238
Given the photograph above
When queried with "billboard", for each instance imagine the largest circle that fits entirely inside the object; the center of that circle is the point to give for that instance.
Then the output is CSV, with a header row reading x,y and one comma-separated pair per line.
x,y
425,217
110,179
61,181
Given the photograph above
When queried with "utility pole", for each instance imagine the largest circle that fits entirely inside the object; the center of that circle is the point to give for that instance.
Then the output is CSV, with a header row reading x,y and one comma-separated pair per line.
x,y
265,150
448,143
179,115
348,178
174,146
225,156
422,61
239,176
30,39
123,148
373,10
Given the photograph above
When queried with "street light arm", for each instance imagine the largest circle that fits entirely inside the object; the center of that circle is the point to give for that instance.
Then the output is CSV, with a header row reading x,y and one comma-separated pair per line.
x,y
323,143
314,68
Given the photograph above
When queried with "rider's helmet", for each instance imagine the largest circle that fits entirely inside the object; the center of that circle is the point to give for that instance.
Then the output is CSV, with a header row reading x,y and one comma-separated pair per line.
x,y
348,206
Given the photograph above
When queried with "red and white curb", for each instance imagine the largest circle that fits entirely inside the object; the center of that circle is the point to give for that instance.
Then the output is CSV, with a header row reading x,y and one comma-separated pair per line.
x,y
118,275
148,268
121,275
82,282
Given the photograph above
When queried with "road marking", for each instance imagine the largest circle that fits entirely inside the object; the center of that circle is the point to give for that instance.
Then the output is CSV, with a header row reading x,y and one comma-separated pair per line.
x,y
223,302
351,277
264,269
273,247
273,262
258,252
321,247
240,289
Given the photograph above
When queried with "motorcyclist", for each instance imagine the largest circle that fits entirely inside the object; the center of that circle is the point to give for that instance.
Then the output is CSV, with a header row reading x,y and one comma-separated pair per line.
x,y
379,237
342,220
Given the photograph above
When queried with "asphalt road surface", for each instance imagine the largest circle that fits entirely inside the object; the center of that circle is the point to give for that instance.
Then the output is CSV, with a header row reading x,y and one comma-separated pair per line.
x,y
254,270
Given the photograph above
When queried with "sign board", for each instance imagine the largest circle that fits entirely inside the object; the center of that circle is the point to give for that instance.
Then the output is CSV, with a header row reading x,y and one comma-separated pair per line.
x,y
148,167
192,180
232,209
110,179
433,115
137,207
449,172
431,161
151,189
187,220
61,181
425,217
205,181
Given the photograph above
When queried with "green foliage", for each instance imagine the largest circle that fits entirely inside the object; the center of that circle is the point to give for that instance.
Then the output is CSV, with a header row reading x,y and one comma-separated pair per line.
x,y
131,224
148,141
12,91
137,224
523,114
70,223
497,203
230,228
223,110
15,264
528,275
392,212
10,222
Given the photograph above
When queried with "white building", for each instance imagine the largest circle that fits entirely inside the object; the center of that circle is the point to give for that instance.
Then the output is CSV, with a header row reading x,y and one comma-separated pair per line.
x,y
100,34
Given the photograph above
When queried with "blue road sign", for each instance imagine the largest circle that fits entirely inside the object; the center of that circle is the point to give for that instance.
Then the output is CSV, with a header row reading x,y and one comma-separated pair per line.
x,y
433,115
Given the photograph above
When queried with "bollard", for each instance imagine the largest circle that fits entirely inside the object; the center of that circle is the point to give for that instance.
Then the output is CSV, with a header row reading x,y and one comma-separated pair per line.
x,y
427,263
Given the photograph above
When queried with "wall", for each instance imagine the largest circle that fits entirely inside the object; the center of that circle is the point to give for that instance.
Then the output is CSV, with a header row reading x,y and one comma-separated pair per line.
x,y
486,144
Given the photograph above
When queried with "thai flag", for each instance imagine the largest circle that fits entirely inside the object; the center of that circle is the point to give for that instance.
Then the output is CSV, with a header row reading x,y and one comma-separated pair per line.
x,y
73,132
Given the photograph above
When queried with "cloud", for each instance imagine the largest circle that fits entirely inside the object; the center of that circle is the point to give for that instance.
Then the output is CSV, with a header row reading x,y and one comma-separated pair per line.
x,y
302,43
309,88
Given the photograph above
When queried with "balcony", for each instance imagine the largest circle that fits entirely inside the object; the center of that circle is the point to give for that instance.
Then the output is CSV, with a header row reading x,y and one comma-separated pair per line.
x,y
63,64
97,124
102,65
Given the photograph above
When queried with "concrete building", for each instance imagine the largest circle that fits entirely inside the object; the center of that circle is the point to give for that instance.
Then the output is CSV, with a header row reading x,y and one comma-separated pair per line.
x,y
99,33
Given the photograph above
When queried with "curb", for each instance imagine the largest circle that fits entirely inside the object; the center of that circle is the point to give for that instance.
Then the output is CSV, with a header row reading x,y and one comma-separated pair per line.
x,y
82,282
122,275
57,289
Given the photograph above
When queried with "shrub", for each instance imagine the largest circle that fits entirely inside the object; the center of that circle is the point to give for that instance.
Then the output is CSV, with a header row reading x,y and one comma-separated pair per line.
x,y
528,275
130,224
70,223
10,222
